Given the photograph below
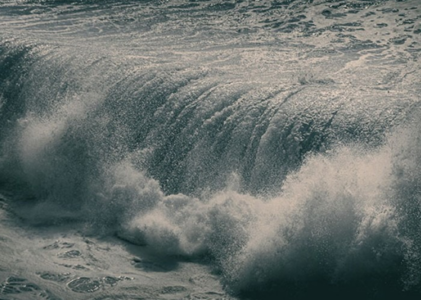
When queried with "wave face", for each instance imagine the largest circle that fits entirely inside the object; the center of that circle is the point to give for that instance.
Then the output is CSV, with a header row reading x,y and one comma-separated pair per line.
x,y
279,139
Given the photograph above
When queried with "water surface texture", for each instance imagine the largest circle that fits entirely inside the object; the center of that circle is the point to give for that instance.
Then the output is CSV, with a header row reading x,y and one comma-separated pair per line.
x,y
209,149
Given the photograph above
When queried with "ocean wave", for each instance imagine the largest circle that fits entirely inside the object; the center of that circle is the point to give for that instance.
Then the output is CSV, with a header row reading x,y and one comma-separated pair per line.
x,y
291,166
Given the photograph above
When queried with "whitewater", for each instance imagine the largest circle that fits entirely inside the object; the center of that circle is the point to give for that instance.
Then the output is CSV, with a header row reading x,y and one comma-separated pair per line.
x,y
209,149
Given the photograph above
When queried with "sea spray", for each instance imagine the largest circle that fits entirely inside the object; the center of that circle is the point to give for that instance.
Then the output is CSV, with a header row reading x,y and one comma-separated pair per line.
x,y
337,221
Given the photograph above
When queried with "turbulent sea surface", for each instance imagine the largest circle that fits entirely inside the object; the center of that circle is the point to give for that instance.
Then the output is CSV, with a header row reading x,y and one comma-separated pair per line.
x,y
209,149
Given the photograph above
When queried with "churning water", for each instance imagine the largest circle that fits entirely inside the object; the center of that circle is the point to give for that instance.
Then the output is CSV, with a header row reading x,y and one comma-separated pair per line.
x,y
209,149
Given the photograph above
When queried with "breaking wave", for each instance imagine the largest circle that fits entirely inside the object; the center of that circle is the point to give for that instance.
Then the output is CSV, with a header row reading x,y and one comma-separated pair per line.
x,y
288,187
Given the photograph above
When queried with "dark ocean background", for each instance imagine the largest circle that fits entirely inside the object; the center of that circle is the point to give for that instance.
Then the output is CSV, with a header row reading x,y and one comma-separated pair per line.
x,y
208,149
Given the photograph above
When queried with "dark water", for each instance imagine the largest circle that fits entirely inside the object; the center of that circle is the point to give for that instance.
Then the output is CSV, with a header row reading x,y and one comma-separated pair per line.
x,y
269,146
